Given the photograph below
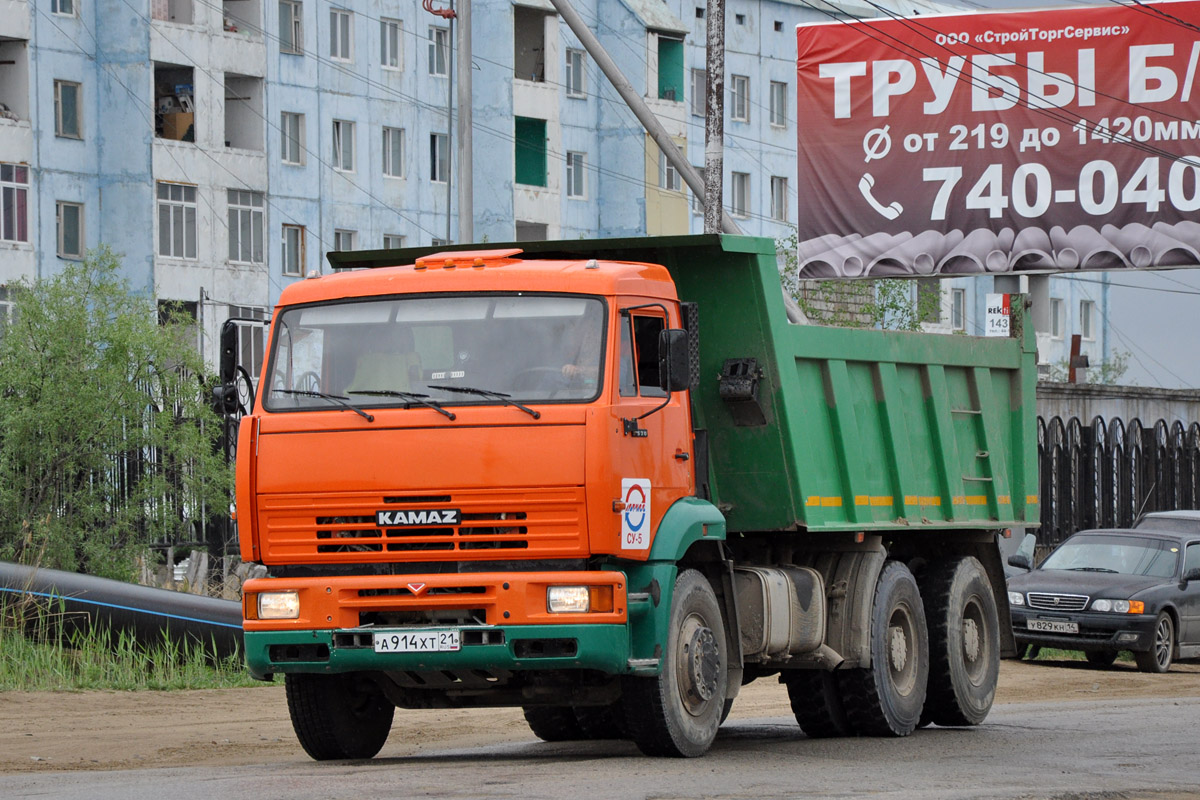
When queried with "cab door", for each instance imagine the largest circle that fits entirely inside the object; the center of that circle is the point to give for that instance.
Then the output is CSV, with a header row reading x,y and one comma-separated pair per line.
x,y
650,443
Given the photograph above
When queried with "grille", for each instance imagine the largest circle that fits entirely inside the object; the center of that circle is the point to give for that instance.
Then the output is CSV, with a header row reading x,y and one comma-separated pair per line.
x,y
546,523
1047,601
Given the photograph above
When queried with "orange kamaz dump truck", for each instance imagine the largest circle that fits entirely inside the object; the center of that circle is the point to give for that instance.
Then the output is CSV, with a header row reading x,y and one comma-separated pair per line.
x,y
608,482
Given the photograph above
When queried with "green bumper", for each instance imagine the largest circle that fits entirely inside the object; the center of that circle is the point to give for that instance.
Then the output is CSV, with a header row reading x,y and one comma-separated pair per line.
x,y
525,647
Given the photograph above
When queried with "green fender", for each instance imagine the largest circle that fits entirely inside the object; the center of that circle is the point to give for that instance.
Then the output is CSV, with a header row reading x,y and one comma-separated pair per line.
x,y
652,582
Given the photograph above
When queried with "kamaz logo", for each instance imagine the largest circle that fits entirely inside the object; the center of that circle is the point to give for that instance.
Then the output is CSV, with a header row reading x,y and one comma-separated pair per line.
x,y
435,516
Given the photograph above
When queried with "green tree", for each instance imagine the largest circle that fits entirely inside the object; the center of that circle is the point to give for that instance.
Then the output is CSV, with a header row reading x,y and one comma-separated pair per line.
x,y
890,303
106,442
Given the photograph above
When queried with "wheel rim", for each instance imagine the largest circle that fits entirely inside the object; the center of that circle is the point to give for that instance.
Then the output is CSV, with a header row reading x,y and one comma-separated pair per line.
x,y
698,665
1162,642
901,650
976,646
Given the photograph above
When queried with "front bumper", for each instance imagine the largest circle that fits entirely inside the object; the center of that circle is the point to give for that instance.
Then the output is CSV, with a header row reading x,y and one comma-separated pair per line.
x,y
510,648
1097,631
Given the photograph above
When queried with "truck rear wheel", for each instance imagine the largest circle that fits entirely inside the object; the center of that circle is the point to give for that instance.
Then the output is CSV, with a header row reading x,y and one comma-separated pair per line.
x,y
964,642
817,703
678,712
338,716
886,698
553,723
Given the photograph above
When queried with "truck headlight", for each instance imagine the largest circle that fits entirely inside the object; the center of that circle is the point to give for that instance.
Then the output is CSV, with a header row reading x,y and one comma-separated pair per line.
x,y
568,599
1016,599
279,605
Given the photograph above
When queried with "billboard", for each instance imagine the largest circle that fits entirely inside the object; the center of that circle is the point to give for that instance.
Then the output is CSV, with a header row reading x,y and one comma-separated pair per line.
x,y
998,142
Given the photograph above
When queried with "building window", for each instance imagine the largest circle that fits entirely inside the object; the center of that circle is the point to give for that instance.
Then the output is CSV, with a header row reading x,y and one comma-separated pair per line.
x,y
530,151
5,310
344,239
670,69
1056,318
699,92
436,242
529,44
393,152
739,19
69,220
245,124
64,8
176,220
778,104
739,98
66,109
251,330
343,145
293,250
245,227
779,198
668,176
439,51
172,11
291,126
574,77
174,103
14,203
575,175
778,26
439,158
740,194
697,199
390,39
392,241
958,309
291,29
341,36
1087,320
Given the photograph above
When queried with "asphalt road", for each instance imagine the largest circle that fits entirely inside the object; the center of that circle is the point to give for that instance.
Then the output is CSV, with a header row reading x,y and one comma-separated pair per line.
x,y
1128,749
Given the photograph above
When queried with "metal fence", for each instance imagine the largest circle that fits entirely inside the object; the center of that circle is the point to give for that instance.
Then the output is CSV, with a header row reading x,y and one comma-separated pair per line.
x,y
1104,474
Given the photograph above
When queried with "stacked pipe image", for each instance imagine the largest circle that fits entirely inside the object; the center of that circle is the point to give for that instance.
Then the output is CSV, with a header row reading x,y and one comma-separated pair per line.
x,y
934,252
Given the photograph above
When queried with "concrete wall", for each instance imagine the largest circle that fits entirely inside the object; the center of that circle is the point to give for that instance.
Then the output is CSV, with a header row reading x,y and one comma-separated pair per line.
x,y
1087,401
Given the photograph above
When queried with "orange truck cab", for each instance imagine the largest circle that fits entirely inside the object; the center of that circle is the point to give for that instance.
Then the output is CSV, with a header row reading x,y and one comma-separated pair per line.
x,y
484,478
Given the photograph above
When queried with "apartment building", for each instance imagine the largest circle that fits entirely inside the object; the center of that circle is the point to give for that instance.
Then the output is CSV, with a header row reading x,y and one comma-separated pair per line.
x,y
222,147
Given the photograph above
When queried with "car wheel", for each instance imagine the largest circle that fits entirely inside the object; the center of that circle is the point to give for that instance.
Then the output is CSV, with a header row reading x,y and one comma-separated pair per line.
x,y
1101,658
1162,649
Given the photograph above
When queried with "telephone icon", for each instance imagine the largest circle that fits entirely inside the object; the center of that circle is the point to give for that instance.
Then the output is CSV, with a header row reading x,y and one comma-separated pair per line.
x,y
865,184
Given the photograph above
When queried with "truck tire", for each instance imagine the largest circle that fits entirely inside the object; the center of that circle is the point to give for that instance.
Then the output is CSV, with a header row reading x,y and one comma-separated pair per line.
x,y
817,703
338,716
678,712
886,698
553,723
964,642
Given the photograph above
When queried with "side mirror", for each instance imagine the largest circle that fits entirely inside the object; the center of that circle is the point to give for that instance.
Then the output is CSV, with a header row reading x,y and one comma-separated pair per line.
x,y
1192,574
1020,560
227,364
674,369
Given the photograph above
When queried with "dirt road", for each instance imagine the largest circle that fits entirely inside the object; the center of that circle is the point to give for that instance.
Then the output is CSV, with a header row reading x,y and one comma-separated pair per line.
x,y
131,730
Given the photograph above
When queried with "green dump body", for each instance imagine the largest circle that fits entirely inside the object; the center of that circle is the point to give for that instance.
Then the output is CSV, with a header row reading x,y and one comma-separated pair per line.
x,y
853,430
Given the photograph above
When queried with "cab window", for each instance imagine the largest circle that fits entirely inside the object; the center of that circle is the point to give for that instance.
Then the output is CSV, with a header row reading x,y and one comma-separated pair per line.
x,y
639,356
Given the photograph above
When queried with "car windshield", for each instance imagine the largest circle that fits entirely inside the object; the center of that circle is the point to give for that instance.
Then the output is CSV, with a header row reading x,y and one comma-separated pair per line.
x,y
444,350
1128,555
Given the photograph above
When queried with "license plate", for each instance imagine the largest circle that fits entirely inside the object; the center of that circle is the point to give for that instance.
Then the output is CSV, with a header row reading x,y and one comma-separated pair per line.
x,y
440,641
1052,626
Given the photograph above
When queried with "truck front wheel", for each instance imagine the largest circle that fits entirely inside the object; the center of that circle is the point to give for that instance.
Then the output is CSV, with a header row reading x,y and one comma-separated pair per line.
x,y
886,698
338,716
964,642
678,712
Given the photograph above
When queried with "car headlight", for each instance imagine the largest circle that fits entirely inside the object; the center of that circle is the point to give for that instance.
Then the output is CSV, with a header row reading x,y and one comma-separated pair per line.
x,y
1119,606
1016,599
279,605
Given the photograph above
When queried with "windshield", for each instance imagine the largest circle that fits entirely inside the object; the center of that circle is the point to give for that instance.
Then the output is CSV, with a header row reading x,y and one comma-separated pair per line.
x,y
460,350
1128,555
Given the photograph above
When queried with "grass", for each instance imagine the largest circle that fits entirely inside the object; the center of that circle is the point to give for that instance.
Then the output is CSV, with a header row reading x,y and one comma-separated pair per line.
x,y
41,650
1053,654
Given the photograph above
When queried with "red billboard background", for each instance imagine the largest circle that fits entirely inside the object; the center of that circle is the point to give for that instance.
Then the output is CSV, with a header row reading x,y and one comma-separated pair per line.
x,y
997,142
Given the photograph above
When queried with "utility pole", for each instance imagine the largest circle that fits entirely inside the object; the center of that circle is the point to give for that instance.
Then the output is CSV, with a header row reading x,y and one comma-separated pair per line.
x,y
450,120
714,117
640,110
466,191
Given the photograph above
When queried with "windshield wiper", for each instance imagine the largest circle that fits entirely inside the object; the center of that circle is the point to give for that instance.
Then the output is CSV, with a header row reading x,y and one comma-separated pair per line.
x,y
1093,569
342,401
408,397
501,396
